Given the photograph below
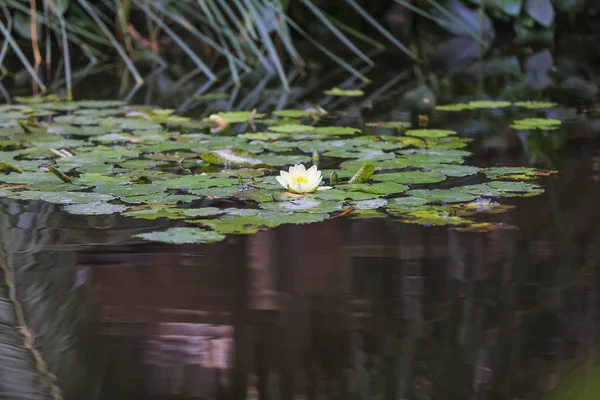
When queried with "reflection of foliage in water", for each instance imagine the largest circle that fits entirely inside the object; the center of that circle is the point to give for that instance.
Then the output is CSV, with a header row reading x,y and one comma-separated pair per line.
x,y
53,308
149,162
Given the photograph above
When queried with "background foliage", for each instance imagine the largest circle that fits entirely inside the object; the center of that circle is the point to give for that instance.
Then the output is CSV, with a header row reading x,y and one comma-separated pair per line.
x,y
49,40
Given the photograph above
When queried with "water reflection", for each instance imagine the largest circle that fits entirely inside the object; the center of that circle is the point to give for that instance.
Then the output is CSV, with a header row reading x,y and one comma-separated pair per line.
x,y
342,309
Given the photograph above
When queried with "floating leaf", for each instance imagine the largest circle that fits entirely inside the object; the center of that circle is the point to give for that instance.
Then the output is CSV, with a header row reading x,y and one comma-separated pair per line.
x,y
303,205
384,188
74,197
413,177
119,191
432,217
96,208
292,113
536,123
453,170
289,129
533,105
344,92
429,133
335,130
400,125
474,105
363,174
182,235
441,195
173,213
341,195
231,157
233,117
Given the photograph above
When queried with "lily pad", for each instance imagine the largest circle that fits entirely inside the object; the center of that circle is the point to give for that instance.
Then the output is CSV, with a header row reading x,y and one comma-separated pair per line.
x,y
536,123
292,113
95,208
182,236
534,105
384,188
344,92
429,133
412,177
289,129
238,116
231,157
74,197
442,195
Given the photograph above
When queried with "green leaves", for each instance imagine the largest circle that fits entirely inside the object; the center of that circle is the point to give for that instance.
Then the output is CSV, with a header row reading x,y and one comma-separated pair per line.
x,y
344,92
363,174
182,236
536,123
151,164
231,157
429,133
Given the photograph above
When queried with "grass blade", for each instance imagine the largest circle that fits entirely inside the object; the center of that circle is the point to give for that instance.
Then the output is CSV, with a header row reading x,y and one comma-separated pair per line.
x,y
269,44
247,39
326,51
284,33
92,13
381,29
8,37
211,18
177,40
317,12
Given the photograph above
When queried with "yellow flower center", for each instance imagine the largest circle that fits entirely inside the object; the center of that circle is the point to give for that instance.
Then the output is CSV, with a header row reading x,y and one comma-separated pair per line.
x,y
301,179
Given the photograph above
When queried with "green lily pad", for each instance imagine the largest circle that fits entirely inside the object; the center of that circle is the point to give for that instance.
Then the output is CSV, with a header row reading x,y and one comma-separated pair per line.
x,y
231,157
534,105
458,171
335,130
182,236
429,133
432,217
363,174
160,198
119,190
413,177
441,195
400,125
303,205
292,129
238,116
341,195
95,208
370,204
292,113
384,188
74,197
344,92
173,213
473,105
536,123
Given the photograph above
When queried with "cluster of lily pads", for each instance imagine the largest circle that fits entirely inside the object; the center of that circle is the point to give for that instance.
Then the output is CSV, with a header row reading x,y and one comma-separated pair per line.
x,y
218,176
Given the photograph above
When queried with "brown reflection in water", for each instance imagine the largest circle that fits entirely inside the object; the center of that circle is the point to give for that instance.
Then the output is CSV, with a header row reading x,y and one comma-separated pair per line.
x,y
358,309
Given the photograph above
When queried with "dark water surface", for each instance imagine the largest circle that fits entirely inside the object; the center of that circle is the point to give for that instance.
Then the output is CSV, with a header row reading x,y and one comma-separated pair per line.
x,y
344,309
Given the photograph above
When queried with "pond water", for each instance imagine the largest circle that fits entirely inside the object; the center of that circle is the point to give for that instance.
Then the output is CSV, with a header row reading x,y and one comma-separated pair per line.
x,y
393,307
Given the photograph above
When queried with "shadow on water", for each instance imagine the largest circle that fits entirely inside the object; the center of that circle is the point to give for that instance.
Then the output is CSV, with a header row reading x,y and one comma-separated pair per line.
x,y
339,309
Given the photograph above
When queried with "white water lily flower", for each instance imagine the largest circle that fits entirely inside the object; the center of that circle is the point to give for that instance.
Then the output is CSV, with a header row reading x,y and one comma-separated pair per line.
x,y
300,180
